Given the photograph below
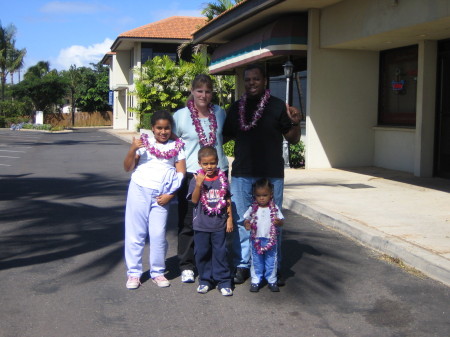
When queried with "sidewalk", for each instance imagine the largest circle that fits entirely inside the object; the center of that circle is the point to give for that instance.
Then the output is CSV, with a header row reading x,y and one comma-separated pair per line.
x,y
393,212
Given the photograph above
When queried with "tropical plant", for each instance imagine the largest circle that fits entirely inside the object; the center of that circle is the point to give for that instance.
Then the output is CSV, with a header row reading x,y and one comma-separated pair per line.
x,y
94,88
297,155
159,85
15,61
11,59
45,87
14,108
228,148
213,9
88,87
73,79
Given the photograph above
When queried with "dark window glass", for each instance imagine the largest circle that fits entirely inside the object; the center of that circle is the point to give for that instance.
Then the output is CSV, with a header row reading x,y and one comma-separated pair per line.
x,y
398,87
146,54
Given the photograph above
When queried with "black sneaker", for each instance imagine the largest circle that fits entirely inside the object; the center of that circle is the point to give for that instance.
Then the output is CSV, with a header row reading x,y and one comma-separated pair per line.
x,y
280,279
241,275
273,287
254,287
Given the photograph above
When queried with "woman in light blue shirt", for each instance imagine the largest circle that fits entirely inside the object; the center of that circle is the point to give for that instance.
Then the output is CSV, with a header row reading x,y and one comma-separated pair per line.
x,y
200,123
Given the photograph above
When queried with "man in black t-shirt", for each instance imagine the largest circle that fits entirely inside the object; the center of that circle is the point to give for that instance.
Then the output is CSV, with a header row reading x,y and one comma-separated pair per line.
x,y
257,123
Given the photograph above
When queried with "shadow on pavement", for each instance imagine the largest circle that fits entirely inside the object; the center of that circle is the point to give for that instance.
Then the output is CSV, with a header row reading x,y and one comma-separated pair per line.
x,y
50,219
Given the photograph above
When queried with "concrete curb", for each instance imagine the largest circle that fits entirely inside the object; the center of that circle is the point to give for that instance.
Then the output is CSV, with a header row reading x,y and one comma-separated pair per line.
x,y
430,264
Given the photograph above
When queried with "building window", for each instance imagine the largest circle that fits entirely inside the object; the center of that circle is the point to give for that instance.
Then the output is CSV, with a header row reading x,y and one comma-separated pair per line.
x,y
131,58
398,87
146,53
172,56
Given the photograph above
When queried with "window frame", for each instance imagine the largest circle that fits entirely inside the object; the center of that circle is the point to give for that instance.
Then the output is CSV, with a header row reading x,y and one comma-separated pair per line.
x,y
398,88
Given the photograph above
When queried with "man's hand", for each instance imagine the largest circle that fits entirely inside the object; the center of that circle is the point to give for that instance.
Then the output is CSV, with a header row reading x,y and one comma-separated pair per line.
x,y
294,114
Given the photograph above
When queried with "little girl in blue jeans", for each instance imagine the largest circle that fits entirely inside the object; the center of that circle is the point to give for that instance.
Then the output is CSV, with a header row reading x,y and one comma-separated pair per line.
x,y
159,166
263,219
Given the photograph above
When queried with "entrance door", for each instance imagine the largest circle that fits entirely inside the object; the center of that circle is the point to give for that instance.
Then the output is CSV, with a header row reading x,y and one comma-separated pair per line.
x,y
442,162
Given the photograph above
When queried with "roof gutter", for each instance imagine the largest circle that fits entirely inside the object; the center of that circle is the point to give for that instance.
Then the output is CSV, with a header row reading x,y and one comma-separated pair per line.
x,y
230,18
119,40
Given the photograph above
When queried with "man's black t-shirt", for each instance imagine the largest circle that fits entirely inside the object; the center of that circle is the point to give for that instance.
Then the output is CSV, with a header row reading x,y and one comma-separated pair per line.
x,y
258,152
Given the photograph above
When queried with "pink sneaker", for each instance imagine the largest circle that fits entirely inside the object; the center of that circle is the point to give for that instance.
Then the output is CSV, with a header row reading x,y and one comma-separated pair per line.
x,y
161,281
133,282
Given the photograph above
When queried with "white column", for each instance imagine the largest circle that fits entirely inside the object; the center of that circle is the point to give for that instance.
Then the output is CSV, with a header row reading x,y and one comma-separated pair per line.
x,y
425,109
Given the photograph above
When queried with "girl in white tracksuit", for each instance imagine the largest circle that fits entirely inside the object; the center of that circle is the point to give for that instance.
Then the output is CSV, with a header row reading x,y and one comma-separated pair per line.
x,y
159,166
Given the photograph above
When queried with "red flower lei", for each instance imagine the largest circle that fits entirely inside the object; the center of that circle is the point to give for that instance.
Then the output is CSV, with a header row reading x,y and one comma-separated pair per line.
x,y
222,203
256,115
198,127
254,227
162,154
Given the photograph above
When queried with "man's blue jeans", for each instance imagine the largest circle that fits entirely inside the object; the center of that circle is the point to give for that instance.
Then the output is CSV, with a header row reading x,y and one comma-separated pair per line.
x,y
241,199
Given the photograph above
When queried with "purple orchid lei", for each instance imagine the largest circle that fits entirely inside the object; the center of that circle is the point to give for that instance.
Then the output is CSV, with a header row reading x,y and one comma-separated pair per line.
x,y
256,115
162,154
198,128
222,203
254,227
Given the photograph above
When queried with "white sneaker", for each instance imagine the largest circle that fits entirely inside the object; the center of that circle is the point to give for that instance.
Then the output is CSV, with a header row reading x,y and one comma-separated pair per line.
x,y
161,281
133,282
226,291
202,289
187,276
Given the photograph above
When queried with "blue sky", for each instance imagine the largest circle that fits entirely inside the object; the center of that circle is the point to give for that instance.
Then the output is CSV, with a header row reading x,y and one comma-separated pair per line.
x,y
81,32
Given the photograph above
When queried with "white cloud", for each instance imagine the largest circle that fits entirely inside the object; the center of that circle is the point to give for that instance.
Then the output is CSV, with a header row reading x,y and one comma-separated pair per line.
x,y
72,7
82,56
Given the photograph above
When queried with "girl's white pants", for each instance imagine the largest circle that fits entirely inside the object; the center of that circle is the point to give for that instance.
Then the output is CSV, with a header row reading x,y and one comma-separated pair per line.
x,y
144,217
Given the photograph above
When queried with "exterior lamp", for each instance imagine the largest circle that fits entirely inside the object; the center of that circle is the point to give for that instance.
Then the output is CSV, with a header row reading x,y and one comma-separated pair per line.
x,y
288,69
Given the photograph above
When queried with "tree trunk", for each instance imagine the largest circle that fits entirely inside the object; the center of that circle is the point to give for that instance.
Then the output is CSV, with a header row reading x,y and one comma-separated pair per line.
x,y
73,109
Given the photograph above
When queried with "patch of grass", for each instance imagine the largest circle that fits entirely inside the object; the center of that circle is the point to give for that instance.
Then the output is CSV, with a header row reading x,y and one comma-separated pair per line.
x,y
399,263
37,126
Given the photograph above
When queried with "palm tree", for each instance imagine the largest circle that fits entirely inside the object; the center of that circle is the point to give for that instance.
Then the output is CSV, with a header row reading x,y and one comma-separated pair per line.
x,y
73,78
16,62
11,59
38,70
213,9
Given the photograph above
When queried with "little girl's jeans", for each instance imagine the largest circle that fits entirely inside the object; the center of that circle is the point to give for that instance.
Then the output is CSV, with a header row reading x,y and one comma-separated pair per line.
x,y
264,266
144,217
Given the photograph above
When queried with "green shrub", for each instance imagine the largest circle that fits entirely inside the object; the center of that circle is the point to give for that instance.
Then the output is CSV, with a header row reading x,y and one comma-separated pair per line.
x,y
57,128
30,126
15,120
297,155
145,121
16,108
228,148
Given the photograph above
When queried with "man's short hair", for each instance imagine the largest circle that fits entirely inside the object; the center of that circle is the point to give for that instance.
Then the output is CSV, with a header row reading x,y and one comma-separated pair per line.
x,y
258,66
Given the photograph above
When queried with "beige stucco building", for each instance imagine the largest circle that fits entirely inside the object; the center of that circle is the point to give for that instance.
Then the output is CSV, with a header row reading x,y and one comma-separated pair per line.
x,y
377,75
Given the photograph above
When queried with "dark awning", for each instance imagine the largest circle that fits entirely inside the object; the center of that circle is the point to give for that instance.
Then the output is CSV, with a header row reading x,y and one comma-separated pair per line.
x,y
285,36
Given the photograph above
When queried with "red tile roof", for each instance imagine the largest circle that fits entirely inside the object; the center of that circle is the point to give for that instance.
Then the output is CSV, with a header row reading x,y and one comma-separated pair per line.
x,y
175,27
